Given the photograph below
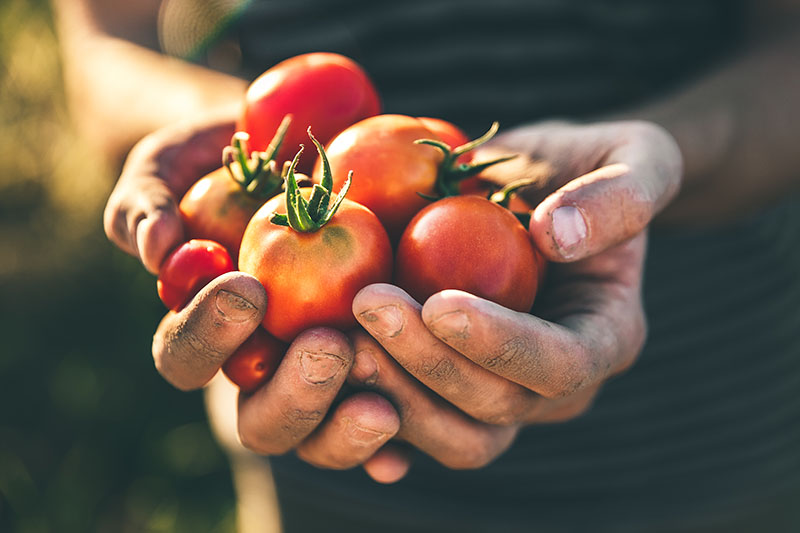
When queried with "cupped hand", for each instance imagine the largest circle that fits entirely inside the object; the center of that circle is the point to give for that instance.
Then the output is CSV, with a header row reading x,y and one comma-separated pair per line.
x,y
300,408
466,374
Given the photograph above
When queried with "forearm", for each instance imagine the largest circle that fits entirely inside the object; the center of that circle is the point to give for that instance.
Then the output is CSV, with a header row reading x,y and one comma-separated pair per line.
x,y
736,130
119,90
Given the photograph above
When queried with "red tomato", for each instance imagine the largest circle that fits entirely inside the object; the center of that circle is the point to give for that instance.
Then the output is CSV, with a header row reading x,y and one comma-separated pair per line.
x,y
312,257
389,169
217,208
255,361
323,90
312,278
219,205
471,244
188,269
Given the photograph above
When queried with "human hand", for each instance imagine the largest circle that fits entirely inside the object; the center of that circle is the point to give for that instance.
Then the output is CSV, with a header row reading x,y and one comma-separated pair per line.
x,y
293,411
465,373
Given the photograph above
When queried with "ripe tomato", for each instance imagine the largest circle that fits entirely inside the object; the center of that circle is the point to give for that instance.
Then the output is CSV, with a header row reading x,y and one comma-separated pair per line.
x,y
326,91
394,169
312,269
255,361
188,269
471,244
389,168
219,205
217,208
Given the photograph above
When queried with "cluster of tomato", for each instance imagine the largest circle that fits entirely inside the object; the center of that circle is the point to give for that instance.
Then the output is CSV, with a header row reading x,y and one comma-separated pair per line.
x,y
403,220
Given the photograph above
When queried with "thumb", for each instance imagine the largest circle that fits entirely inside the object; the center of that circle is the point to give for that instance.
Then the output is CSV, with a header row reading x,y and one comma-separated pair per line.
x,y
613,203
191,345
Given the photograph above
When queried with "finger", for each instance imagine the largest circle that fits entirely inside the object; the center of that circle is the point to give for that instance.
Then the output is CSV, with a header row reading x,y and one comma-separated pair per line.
x,y
427,422
554,360
283,412
141,216
607,206
393,318
390,464
191,345
356,429
142,219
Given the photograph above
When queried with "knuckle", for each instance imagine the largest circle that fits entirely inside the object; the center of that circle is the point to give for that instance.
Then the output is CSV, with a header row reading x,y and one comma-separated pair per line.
x,y
511,353
184,357
505,410
577,372
187,347
443,369
296,423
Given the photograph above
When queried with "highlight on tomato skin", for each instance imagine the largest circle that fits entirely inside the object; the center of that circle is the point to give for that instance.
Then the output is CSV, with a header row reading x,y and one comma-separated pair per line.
x,y
189,268
255,361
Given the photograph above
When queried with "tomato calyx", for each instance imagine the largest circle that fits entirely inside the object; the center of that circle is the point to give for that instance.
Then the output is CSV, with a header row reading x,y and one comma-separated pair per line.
x,y
310,215
503,197
451,172
256,172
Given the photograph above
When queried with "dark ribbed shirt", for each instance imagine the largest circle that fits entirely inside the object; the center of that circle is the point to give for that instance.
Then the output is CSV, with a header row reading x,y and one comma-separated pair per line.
x,y
703,432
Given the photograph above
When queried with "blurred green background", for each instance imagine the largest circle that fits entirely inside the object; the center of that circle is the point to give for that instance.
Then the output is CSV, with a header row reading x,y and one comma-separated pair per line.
x,y
91,438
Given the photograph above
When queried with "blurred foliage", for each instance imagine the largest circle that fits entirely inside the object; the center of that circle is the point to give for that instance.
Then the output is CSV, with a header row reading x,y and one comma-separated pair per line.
x,y
91,438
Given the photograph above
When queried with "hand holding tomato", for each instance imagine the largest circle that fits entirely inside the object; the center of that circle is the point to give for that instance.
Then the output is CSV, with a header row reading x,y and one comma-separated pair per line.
x,y
192,344
467,373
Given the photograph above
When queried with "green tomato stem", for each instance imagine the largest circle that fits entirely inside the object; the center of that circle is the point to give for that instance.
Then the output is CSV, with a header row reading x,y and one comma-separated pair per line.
x,y
308,216
504,195
257,173
450,173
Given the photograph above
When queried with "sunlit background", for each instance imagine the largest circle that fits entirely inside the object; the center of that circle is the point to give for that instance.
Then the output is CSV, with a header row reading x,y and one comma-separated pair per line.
x,y
91,438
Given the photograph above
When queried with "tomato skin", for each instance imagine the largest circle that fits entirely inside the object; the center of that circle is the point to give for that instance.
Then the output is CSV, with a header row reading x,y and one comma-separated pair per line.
x,y
255,361
471,244
312,278
323,90
388,168
217,208
188,269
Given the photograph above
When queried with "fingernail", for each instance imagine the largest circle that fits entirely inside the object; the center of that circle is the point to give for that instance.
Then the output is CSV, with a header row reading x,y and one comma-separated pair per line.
x,y
365,368
569,228
454,324
318,368
233,307
387,320
361,434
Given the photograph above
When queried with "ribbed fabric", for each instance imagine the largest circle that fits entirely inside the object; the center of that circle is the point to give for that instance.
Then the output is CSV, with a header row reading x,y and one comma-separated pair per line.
x,y
703,433
472,61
